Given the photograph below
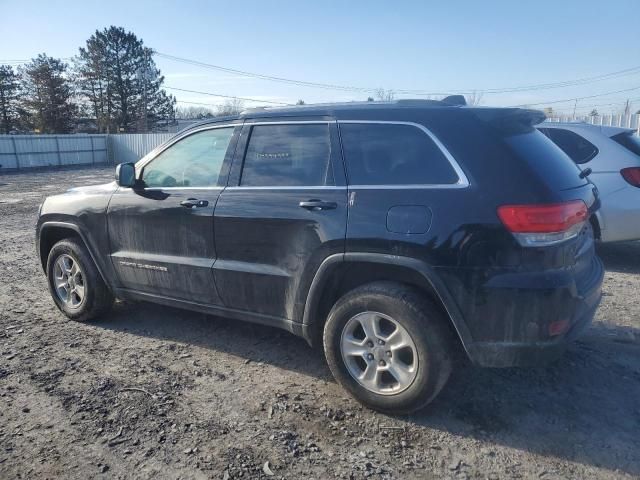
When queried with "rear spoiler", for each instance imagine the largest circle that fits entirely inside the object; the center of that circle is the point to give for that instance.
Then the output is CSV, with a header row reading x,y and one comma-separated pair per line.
x,y
511,121
454,100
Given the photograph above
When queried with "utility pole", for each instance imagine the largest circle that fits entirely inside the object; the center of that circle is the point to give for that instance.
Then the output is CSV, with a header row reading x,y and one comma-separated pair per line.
x,y
144,101
575,105
143,75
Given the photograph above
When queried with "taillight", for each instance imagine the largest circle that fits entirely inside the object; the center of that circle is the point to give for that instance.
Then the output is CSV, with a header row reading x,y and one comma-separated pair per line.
x,y
631,175
542,225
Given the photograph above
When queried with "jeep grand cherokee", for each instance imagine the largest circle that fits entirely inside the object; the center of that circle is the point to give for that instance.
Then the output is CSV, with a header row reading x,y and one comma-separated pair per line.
x,y
392,233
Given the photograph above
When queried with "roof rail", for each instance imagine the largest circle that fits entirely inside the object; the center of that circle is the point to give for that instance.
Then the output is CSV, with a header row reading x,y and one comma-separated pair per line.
x,y
254,109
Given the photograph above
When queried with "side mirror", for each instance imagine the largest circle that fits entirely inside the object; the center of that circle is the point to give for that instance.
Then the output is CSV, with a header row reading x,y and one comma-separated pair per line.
x,y
126,175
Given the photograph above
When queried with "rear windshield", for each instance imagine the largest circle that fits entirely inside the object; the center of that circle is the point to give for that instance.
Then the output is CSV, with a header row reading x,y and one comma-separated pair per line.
x,y
547,159
629,141
577,147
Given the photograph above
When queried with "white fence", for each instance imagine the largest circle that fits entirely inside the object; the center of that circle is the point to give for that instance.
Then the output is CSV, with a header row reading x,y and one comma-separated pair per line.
x,y
19,152
626,121
130,147
28,151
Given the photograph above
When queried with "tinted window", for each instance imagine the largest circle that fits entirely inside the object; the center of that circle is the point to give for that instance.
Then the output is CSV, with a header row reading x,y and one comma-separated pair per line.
x,y
578,148
288,155
194,161
387,154
546,159
629,141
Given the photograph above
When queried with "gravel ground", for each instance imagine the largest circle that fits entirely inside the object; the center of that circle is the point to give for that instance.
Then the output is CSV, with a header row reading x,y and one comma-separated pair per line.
x,y
154,392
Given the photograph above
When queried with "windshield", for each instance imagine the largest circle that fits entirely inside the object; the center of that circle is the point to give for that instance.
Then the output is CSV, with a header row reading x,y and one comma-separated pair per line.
x,y
629,141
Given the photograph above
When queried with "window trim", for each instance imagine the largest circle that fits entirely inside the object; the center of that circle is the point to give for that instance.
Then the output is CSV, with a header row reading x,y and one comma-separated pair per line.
x,y
463,181
243,155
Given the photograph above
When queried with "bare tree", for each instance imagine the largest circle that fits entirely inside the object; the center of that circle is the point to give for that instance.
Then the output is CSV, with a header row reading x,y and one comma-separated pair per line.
x,y
474,98
383,95
192,112
231,107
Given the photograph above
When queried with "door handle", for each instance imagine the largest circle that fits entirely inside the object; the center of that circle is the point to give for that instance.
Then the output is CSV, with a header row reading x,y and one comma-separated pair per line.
x,y
316,205
194,203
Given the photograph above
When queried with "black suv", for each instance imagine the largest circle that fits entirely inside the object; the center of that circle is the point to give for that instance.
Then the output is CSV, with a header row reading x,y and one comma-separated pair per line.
x,y
392,233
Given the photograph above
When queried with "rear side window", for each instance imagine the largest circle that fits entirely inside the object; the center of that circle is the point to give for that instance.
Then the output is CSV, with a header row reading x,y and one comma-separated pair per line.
x,y
577,147
288,155
629,141
393,154
546,159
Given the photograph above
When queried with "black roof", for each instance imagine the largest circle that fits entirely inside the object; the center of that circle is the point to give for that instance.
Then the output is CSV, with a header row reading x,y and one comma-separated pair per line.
x,y
331,109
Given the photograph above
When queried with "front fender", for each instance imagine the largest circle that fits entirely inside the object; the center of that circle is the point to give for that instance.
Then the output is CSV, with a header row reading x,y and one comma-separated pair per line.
x,y
50,232
82,212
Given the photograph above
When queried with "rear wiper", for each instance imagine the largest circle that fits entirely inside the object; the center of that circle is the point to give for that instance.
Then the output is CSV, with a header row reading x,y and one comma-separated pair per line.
x,y
585,173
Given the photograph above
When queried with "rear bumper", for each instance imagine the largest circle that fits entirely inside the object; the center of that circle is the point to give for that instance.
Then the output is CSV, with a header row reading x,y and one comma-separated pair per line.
x,y
510,316
526,354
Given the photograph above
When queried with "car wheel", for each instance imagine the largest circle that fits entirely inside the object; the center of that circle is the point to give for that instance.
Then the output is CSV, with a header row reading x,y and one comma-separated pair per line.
x,y
75,283
389,346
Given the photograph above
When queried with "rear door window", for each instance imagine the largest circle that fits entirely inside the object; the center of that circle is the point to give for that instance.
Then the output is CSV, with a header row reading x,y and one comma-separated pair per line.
x,y
629,141
577,147
393,154
287,156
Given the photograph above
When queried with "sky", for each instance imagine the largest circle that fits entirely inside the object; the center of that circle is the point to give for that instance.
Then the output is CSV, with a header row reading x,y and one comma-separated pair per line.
x,y
430,46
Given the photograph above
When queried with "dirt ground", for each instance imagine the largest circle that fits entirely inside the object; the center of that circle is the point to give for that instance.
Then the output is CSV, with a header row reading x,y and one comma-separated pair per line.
x,y
153,392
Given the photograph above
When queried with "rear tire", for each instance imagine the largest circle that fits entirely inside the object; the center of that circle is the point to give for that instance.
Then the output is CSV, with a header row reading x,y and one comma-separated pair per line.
x,y
410,357
75,283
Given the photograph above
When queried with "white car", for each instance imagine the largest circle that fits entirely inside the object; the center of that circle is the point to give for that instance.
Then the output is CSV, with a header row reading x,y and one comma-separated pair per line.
x,y
613,155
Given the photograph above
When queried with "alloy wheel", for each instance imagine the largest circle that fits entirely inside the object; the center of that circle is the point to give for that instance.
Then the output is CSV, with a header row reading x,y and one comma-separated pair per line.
x,y
379,353
68,281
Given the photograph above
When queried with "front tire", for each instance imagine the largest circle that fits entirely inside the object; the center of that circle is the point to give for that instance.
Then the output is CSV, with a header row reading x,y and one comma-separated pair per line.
x,y
75,283
389,346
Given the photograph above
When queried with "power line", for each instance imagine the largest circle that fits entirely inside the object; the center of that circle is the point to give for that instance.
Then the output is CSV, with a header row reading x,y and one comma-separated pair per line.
x,y
568,83
328,86
631,100
616,102
23,61
261,76
576,98
199,103
226,96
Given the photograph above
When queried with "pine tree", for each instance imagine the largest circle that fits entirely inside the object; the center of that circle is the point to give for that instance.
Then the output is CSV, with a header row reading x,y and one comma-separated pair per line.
x,y
93,85
120,81
9,92
47,95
